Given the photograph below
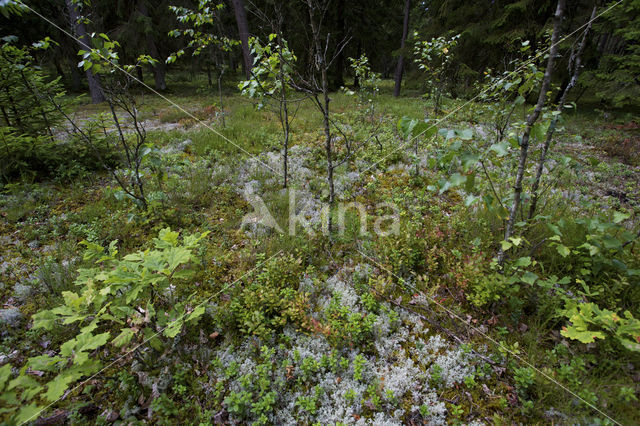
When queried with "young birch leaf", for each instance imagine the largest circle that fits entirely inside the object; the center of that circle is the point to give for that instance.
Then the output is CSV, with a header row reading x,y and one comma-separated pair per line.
x,y
529,278
563,250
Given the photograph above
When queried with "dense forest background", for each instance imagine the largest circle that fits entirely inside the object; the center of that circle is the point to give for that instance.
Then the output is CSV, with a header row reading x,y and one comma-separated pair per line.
x,y
491,33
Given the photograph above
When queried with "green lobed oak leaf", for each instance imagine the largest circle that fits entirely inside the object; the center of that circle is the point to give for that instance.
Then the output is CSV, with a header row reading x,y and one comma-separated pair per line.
x,y
125,336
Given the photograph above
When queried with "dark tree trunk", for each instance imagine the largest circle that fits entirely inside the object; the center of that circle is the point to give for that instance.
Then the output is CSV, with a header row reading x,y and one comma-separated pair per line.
x,y
159,68
405,31
140,73
76,82
563,88
232,62
56,63
243,30
95,88
338,78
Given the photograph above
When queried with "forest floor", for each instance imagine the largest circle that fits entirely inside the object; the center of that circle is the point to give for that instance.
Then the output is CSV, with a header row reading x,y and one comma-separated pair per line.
x,y
356,328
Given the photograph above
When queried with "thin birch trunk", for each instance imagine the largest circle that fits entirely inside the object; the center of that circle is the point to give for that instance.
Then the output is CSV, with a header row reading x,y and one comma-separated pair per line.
x,y
577,69
531,120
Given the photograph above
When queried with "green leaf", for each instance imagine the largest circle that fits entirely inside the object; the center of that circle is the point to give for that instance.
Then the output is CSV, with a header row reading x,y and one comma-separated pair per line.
x,y
529,277
620,217
197,313
630,344
57,386
152,337
466,134
516,240
5,373
611,242
28,413
457,179
523,262
173,328
563,250
469,160
44,319
177,256
166,239
554,229
44,363
501,149
124,337
506,245
470,200
582,335
406,125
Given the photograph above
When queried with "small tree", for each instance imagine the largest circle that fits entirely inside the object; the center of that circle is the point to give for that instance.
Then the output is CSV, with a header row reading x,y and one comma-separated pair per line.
x,y
575,68
271,83
206,40
129,138
27,118
368,88
78,24
317,86
502,93
531,120
22,86
366,93
433,57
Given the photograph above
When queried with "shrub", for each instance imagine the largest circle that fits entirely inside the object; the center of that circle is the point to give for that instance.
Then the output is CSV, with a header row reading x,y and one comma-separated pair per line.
x,y
39,157
271,300
112,295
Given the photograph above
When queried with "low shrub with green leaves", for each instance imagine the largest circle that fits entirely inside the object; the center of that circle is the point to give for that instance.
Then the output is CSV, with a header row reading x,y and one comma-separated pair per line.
x,y
271,300
134,294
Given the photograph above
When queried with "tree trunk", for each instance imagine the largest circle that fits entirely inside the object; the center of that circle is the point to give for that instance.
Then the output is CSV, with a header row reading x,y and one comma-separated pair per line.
x,y
577,69
75,80
286,135
321,63
243,30
59,70
95,88
531,119
338,80
159,68
222,113
140,73
405,31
